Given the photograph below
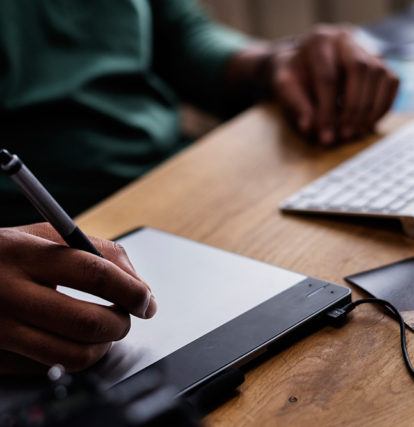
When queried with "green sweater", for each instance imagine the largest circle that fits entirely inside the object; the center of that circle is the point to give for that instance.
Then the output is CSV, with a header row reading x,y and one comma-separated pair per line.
x,y
89,90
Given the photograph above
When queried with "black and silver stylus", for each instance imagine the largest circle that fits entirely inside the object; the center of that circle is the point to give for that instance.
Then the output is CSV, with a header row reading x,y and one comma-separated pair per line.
x,y
47,206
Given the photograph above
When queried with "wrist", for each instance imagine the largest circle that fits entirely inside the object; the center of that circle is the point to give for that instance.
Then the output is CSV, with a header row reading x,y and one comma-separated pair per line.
x,y
248,69
251,71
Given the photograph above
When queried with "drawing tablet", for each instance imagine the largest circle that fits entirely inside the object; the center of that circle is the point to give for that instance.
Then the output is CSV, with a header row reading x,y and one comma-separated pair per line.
x,y
215,309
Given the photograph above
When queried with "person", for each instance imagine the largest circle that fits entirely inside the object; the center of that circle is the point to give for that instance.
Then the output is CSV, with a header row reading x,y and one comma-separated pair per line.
x,y
90,91
89,98
39,326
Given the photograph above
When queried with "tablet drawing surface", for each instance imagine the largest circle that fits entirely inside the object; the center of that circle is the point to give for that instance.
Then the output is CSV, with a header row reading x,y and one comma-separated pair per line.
x,y
198,288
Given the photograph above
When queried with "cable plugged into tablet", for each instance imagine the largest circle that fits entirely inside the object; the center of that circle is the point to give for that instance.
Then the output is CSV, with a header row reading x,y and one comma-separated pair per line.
x,y
338,315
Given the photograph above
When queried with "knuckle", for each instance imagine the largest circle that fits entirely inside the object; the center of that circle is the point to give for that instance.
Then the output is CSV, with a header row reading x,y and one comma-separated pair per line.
x,y
5,234
326,33
318,37
95,271
7,239
92,325
109,246
119,250
321,32
121,258
284,78
343,34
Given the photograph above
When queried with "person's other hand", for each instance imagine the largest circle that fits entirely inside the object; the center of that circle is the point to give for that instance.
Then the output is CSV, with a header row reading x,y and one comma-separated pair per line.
x,y
331,86
40,326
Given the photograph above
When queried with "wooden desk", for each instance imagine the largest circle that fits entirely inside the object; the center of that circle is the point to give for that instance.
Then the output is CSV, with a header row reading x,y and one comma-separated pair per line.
x,y
225,191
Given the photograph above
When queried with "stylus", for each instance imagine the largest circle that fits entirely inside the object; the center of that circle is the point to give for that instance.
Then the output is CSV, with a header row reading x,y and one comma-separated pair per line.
x,y
46,205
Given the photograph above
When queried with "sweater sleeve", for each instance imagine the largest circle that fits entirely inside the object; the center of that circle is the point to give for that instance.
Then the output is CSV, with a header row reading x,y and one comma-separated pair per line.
x,y
191,52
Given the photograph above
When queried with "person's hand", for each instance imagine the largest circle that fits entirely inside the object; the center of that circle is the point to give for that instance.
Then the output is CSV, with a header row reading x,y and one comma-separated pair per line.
x,y
40,326
331,87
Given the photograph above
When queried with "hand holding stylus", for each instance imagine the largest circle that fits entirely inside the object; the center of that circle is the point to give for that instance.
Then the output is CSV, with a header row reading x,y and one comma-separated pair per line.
x,y
44,326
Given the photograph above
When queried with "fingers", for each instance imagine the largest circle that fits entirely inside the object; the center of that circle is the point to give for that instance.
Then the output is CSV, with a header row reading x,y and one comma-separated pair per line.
x,y
51,264
358,93
291,93
369,89
48,349
41,324
343,88
115,253
384,97
94,275
321,59
51,311
362,73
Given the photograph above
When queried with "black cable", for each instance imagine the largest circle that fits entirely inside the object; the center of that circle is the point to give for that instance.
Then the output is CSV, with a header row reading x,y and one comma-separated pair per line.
x,y
340,313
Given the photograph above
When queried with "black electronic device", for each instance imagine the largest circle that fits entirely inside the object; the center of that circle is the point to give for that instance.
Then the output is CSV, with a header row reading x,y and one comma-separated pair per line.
x,y
217,311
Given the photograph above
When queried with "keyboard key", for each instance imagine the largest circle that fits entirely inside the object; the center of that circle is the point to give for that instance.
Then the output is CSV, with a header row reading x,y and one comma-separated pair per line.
x,y
371,194
382,202
301,204
341,200
397,205
324,196
357,204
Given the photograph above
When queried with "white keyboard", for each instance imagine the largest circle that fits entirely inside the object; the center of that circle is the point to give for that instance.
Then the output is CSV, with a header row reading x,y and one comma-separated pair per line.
x,y
377,182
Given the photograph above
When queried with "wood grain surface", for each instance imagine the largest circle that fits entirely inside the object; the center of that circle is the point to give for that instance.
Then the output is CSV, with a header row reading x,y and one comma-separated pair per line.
x,y
225,191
